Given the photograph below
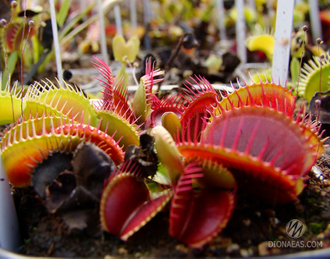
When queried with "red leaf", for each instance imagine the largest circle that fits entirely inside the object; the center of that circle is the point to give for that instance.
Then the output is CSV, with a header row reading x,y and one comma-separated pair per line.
x,y
126,205
122,197
196,217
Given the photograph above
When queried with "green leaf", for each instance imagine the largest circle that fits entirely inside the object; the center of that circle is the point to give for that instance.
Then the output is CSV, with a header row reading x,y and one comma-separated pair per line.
x,y
294,69
140,107
10,104
122,75
11,64
168,153
134,46
36,48
161,175
171,123
121,48
63,12
208,13
73,22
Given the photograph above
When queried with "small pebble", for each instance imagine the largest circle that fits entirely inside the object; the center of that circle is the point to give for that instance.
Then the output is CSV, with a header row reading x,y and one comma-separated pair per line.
x,y
320,236
222,241
326,182
323,193
187,73
122,251
263,248
246,252
232,247
182,248
246,222
274,221
212,247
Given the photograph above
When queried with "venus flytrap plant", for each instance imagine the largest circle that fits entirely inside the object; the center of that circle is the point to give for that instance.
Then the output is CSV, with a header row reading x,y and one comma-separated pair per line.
x,y
144,96
298,46
265,93
127,204
123,131
114,110
262,41
43,100
10,104
201,205
228,141
115,96
66,99
24,138
209,145
188,205
311,78
81,156
306,78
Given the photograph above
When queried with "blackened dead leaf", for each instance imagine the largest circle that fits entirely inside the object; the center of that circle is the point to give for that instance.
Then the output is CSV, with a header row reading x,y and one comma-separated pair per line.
x,y
59,191
49,169
144,155
91,166
76,194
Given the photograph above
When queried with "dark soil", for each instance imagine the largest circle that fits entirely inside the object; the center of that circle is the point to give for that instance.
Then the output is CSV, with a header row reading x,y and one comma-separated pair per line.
x,y
248,232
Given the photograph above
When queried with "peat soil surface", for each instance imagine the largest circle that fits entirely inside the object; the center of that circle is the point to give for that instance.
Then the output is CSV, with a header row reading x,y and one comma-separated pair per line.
x,y
251,227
